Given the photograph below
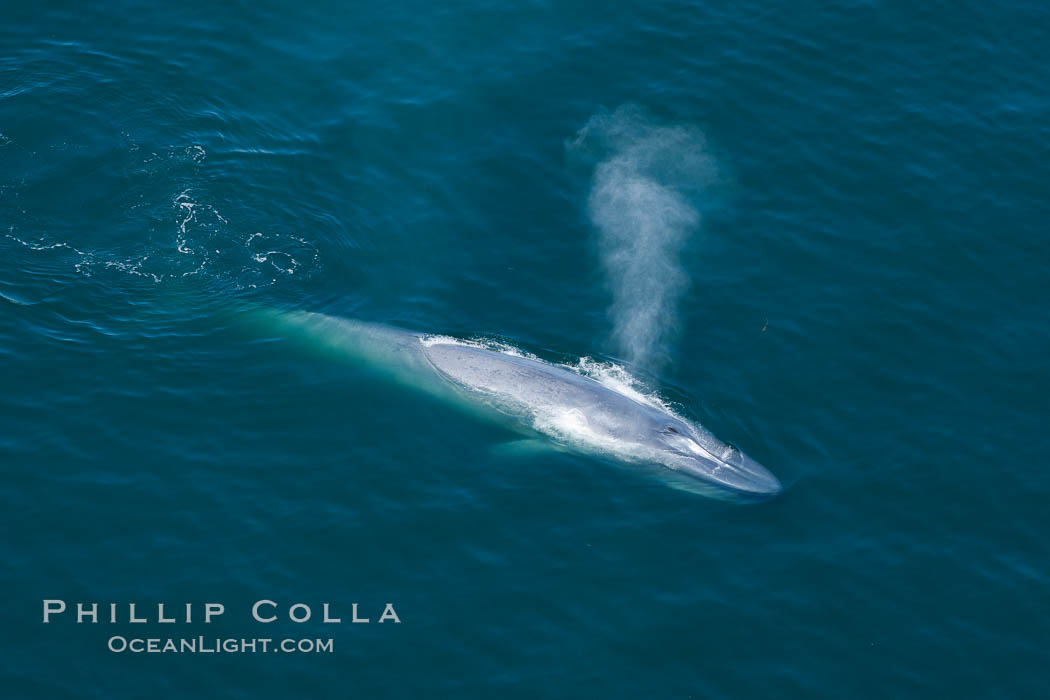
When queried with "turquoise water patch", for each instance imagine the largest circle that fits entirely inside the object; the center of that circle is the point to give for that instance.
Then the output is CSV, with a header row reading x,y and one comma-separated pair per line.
x,y
817,231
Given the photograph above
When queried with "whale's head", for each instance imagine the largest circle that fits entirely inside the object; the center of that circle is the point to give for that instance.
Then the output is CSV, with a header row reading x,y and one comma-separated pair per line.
x,y
693,452
682,453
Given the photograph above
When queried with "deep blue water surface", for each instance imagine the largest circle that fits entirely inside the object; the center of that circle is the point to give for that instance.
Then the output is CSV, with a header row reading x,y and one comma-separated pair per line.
x,y
820,229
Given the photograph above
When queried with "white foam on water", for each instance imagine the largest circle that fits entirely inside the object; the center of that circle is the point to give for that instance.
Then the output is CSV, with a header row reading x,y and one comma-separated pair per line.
x,y
202,244
619,379
196,240
42,244
478,342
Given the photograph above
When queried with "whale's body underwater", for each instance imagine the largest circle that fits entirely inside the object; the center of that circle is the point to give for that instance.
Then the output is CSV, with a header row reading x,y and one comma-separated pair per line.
x,y
571,410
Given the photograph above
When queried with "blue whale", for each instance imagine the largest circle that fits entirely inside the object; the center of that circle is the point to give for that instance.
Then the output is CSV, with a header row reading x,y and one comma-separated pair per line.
x,y
547,402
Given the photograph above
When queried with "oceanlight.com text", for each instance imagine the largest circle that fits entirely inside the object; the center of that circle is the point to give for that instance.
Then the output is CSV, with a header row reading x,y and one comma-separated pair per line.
x,y
218,645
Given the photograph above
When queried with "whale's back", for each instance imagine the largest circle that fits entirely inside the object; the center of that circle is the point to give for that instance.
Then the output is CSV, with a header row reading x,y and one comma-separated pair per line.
x,y
519,378
527,386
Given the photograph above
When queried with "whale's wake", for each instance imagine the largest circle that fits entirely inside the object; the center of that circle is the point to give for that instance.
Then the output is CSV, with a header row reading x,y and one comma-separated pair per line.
x,y
642,198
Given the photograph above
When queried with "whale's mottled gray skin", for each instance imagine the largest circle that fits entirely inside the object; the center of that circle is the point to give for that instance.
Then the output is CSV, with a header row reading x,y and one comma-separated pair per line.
x,y
570,409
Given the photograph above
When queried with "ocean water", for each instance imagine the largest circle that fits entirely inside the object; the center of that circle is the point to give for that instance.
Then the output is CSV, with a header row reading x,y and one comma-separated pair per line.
x,y
819,229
